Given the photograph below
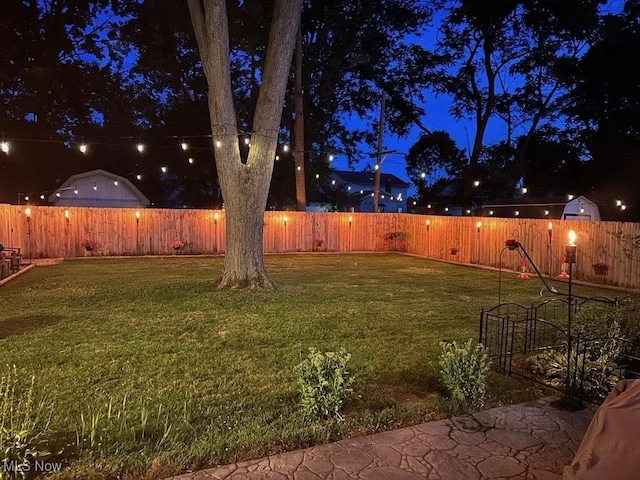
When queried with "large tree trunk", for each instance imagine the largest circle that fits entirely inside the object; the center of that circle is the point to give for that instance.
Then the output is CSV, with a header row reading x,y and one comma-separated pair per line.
x,y
245,186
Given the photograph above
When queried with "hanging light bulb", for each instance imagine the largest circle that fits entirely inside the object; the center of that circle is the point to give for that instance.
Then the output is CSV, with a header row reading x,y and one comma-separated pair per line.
x,y
138,177
191,160
41,197
140,147
331,158
277,157
58,194
246,141
115,182
4,146
423,175
76,191
163,169
184,146
95,187
26,197
285,148
377,167
317,175
83,148
218,143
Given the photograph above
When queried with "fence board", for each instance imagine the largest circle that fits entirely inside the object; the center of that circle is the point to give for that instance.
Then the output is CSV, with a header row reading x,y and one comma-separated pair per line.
x,y
48,233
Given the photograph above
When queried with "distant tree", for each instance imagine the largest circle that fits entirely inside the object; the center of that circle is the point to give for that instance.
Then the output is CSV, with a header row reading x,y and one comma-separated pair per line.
x,y
500,60
245,183
604,106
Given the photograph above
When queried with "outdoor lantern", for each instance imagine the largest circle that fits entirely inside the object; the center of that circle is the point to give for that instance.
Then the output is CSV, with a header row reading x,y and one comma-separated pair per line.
x,y
137,216
571,248
478,225
428,224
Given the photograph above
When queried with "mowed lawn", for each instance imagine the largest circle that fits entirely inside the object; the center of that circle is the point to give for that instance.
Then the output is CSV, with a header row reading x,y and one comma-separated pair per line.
x,y
204,377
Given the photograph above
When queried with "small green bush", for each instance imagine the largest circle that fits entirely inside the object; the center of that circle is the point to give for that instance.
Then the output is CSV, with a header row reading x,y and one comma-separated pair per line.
x,y
324,383
595,368
463,370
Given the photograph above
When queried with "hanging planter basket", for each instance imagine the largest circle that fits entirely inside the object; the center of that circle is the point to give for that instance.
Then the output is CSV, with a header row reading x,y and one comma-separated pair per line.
x,y
600,269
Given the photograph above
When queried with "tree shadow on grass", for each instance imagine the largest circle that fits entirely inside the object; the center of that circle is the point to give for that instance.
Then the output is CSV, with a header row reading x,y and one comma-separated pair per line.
x,y
17,325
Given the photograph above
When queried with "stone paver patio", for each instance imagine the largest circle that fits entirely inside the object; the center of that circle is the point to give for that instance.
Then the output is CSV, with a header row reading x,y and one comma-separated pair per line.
x,y
525,441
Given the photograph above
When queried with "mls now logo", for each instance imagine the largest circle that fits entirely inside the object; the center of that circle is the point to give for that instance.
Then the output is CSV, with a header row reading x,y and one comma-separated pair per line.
x,y
14,466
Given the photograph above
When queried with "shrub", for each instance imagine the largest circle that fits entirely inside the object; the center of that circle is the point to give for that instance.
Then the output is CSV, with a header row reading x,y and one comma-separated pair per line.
x,y
24,423
324,383
463,370
595,367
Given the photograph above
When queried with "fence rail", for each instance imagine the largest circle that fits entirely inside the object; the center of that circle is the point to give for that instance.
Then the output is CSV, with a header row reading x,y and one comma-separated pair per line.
x,y
47,232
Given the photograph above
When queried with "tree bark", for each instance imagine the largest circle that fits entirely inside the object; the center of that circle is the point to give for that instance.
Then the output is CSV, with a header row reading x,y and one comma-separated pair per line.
x,y
244,186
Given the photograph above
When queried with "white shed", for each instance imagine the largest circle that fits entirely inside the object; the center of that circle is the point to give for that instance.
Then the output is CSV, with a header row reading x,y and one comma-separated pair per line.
x,y
98,188
581,208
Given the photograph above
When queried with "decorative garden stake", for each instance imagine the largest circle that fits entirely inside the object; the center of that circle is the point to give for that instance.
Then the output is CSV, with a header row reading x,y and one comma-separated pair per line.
x,y
523,267
563,274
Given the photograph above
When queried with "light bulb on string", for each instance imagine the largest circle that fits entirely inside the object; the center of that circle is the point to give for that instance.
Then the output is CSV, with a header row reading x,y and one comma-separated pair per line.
x,y
247,141
331,158
83,148
4,146
115,182
76,191
277,157
140,147
191,160
138,177
218,143
285,148
163,169
41,197
184,146
26,197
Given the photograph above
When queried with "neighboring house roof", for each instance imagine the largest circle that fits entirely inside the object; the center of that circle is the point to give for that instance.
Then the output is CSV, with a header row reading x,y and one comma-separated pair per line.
x,y
367,178
80,178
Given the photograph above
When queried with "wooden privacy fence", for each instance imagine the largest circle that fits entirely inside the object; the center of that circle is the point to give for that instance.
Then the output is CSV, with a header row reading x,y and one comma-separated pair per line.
x,y
59,231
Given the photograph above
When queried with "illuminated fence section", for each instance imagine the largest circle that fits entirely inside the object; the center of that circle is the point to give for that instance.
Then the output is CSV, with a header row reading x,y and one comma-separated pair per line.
x,y
58,232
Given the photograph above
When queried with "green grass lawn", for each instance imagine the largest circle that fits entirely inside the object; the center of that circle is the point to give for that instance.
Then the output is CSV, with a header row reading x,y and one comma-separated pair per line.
x,y
197,377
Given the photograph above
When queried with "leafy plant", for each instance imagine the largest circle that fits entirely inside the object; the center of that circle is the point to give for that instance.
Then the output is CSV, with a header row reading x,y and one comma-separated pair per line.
x,y
24,423
463,371
88,243
324,382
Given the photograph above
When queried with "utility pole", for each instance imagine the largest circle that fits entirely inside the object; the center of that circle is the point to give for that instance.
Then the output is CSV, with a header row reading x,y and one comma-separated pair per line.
x,y
298,127
376,181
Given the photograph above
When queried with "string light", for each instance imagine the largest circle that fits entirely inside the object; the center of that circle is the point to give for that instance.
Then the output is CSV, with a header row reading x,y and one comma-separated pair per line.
x,y
95,187
218,143
115,182
277,157
476,183
490,212
517,213
423,175
58,194
140,147
26,197
83,148
191,160
546,212
317,175
570,197
4,146
377,167
331,158
333,182
525,189
184,146
618,203
285,148
429,205
75,191
246,141
41,197
138,177
299,168
163,169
